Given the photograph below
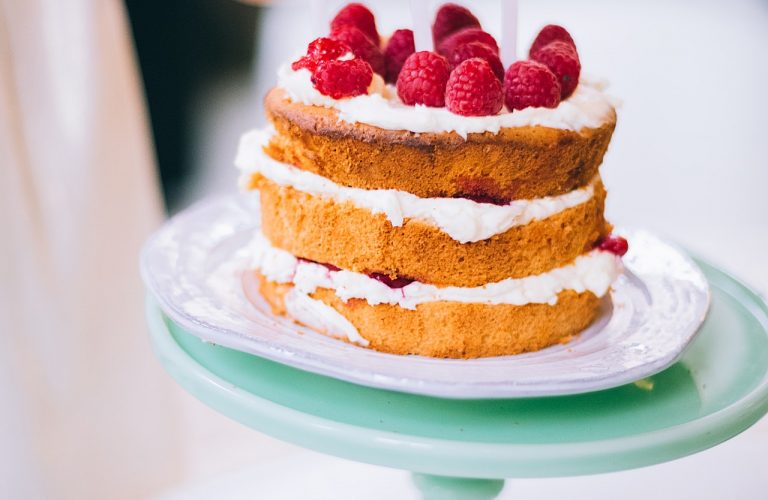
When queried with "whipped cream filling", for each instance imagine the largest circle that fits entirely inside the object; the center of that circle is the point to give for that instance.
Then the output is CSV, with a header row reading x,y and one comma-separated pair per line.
x,y
463,220
320,316
587,107
593,272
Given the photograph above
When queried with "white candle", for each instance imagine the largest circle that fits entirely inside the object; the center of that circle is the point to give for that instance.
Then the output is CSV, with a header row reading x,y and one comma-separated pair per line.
x,y
318,12
508,32
421,22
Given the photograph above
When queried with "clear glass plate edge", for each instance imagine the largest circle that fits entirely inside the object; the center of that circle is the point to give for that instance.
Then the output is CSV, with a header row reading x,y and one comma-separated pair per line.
x,y
676,273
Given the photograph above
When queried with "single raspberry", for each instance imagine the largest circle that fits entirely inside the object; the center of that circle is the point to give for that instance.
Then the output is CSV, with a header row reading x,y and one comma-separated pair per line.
x,y
530,84
319,50
398,282
614,244
422,79
357,15
477,49
563,61
399,47
473,89
339,79
361,46
548,34
467,35
450,19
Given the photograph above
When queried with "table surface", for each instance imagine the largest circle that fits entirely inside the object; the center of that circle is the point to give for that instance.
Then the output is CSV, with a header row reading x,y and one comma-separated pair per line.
x,y
688,161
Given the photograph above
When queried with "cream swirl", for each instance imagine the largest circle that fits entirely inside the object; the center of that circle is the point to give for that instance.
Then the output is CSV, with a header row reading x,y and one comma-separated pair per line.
x,y
587,107
320,316
594,272
462,219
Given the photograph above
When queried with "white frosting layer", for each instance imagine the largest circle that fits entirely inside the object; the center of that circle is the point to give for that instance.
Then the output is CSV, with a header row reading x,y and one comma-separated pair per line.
x,y
594,272
587,107
463,220
320,316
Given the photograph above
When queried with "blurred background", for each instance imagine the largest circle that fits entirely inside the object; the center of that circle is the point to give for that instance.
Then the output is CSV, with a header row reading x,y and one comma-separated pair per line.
x,y
113,115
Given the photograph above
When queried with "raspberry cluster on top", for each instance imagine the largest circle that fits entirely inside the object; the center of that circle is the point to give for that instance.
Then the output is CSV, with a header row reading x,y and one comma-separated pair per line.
x,y
463,74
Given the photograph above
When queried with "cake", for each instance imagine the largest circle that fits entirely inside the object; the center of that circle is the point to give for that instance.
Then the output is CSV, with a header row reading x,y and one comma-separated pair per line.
x,y
430,202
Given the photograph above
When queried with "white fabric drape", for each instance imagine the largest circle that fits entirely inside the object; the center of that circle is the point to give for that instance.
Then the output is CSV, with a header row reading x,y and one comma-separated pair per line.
x,y
85,410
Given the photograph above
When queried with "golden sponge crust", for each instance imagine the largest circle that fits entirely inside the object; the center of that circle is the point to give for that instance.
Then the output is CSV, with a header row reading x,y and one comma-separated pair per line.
x,y
517,163
356,239
454,329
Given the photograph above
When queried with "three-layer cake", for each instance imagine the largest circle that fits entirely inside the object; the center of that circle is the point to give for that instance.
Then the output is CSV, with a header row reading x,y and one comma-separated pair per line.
x,y
412,229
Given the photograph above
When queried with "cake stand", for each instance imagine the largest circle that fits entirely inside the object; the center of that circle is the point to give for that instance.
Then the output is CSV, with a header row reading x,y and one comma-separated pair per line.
x,y
463,449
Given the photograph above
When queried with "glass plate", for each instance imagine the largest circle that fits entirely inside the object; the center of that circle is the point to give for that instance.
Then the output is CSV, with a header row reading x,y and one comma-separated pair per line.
x,y
193,267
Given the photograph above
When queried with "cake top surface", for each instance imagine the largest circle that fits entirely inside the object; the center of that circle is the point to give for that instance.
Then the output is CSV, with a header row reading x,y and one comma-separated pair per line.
x,y
587,107
461,86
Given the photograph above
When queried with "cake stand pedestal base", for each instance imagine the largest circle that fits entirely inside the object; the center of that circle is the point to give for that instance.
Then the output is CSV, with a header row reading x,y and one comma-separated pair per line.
x,y
458,449
457,488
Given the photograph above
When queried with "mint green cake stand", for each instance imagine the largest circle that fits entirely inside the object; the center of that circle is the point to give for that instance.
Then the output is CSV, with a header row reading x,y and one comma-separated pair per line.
x,y
464,448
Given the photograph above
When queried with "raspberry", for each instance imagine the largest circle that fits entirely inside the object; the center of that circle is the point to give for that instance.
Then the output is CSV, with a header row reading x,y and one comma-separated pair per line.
x,y
319,50
530,84
614,244
357,15
339,79
477,49
562,60
548,34
473,89
482,198
481,189
361,46
467,35
450,19
398,282
399,47
422,79
330,267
